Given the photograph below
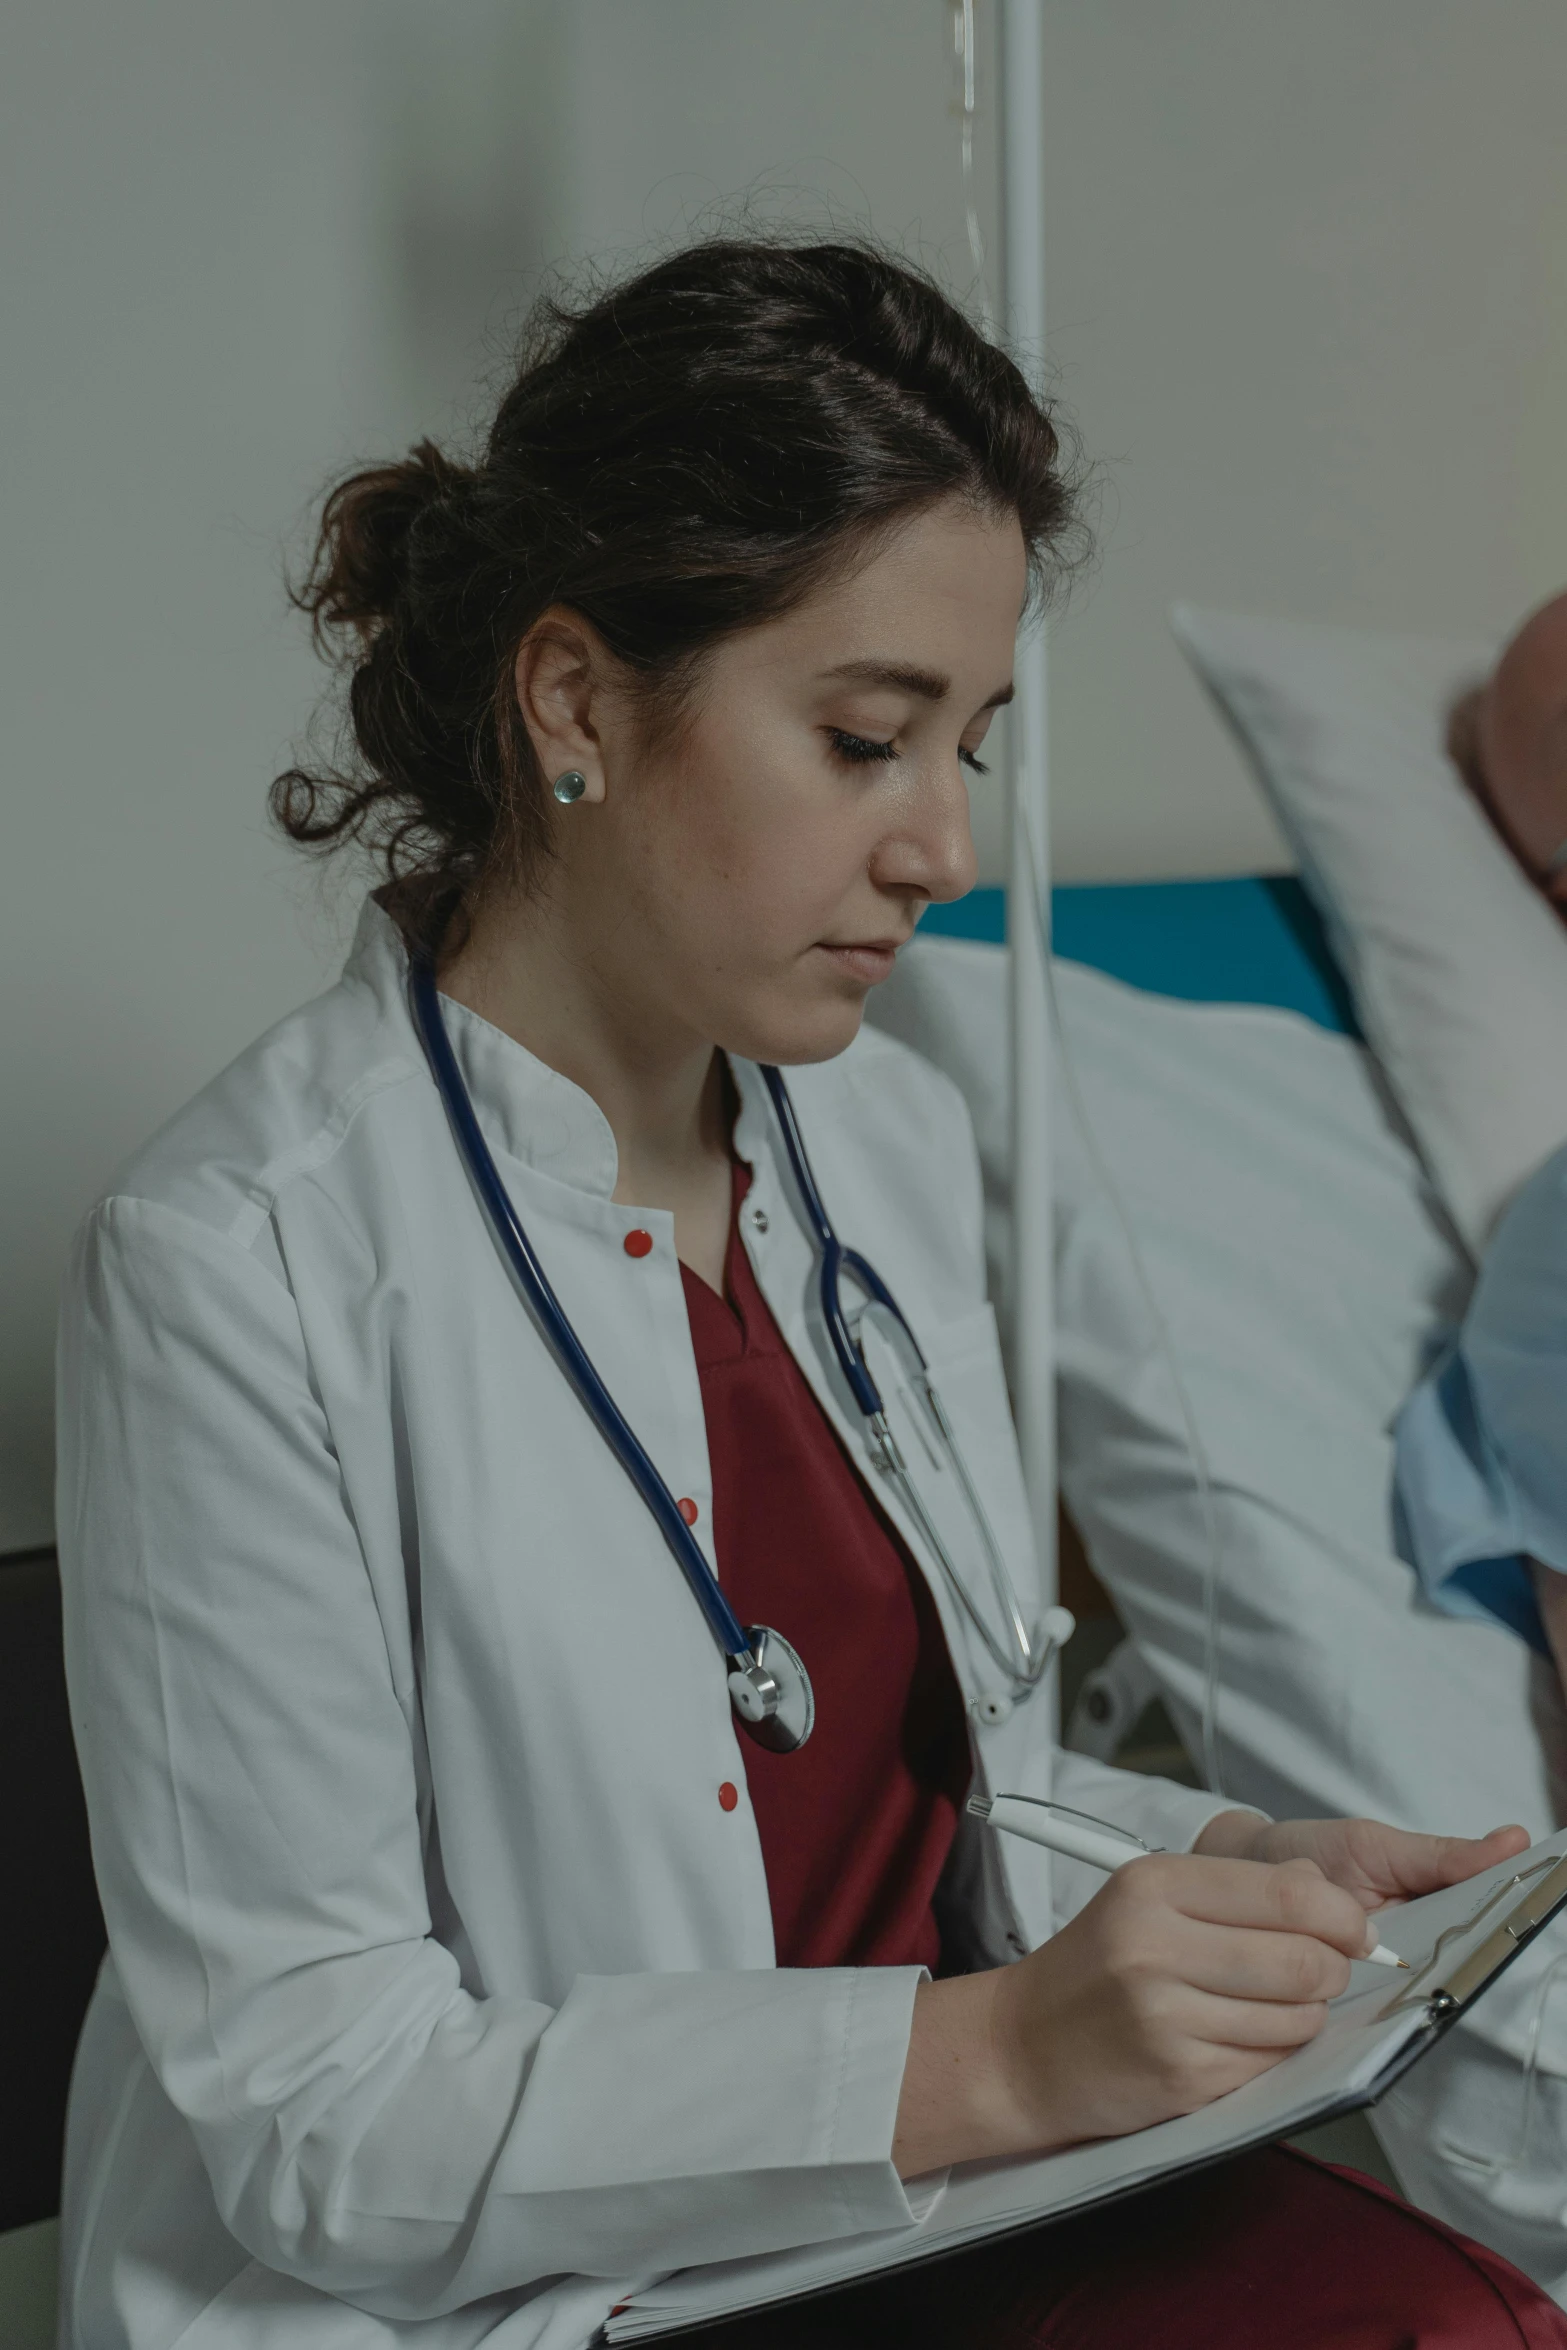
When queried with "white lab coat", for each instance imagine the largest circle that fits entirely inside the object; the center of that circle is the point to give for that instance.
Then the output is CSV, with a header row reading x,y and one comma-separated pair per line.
x,y
441,2003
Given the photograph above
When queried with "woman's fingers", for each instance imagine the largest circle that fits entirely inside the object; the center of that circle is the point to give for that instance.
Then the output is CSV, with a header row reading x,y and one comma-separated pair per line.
x,y
1260,2024
1248,1962
1379,1863
1390,1864
1288,1897
1450,1859
1183,1977
1188,1974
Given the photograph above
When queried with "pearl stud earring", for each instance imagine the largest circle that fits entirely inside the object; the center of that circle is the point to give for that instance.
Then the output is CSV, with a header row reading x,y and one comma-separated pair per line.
x,y
570,786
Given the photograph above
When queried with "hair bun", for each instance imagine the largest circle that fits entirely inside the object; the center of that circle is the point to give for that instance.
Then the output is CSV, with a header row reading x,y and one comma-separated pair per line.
x,y
360,573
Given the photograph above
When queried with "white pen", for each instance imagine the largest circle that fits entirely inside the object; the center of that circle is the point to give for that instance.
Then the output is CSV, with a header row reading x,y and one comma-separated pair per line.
x,y
1075,1834
1078,1836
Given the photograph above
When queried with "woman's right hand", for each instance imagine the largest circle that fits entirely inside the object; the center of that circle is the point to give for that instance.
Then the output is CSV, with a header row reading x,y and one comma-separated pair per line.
x,y
1182,1978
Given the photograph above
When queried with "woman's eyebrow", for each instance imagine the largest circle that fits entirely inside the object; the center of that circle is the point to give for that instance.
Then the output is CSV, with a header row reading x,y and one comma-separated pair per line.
x,y
929,685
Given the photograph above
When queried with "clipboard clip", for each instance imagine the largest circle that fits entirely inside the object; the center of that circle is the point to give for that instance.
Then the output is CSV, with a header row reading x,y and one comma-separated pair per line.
x,y
1443,2000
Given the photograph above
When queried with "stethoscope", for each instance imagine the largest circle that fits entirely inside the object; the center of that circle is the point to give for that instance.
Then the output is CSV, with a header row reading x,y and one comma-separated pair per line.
x,y
769,1686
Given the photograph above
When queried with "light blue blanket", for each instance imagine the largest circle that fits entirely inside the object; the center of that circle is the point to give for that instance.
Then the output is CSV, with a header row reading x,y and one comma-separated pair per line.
x,y
1481,1476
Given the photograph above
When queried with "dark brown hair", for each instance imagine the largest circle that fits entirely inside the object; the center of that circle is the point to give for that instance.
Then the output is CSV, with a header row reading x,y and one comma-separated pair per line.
x,y
682,456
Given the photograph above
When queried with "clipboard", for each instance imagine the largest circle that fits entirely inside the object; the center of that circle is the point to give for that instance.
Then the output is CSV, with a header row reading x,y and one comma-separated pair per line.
x,y
1447,1989
1467,1936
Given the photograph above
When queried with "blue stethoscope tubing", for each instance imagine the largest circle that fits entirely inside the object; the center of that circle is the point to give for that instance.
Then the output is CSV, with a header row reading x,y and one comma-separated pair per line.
x,y
1029,1656
768,1684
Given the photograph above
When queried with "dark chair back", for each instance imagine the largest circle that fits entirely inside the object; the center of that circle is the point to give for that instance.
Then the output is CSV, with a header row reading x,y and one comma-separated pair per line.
x,y
51,1934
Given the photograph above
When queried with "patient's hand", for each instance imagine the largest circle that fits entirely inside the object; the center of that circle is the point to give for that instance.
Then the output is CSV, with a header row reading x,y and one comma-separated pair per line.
x,y
1369,1859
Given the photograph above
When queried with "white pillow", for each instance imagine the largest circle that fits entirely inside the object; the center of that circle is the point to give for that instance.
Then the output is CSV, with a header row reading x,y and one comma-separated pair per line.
x,y
1457,965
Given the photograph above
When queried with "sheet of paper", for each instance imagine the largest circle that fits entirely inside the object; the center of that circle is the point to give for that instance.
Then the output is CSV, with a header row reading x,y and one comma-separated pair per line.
x,y
1368,2026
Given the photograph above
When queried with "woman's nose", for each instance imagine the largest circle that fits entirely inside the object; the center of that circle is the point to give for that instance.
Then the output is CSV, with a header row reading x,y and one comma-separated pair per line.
x,y
933,850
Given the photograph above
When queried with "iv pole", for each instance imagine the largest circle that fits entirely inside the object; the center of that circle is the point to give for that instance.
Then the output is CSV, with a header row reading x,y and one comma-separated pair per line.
x,y
1032,1269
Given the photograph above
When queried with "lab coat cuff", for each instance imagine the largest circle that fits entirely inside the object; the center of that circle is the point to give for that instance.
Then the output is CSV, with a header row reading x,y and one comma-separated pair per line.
x,y
765,2121
876,2042
1212,1806
876,2047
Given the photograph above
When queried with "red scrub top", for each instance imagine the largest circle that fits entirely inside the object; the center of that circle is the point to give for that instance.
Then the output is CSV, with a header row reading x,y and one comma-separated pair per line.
x,y
856,1824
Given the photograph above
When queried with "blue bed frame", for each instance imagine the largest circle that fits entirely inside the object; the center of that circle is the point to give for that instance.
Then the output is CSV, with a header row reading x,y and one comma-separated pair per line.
x,y
1253,940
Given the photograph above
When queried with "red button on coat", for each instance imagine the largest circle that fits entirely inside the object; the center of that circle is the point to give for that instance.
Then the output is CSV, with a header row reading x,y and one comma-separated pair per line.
x,y
688,1510
638,1244
728,1795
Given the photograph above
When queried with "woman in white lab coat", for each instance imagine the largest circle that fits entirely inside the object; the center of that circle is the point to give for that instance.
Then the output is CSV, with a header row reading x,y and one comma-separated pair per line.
x,y
469,1967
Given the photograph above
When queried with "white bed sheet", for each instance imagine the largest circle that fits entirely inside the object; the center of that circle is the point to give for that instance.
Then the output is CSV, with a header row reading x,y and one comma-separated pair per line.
x,y
1303,1270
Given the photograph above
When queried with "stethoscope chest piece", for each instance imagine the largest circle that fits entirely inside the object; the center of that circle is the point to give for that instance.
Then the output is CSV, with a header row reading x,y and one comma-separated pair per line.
x,y
772,1696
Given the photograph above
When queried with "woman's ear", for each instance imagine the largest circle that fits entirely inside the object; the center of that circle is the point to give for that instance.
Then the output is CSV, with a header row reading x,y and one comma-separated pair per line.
x,y
561,674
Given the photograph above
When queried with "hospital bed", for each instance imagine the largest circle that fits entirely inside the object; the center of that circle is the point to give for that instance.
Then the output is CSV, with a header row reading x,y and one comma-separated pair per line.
x,y
1266,1223
1247,939
1267,1211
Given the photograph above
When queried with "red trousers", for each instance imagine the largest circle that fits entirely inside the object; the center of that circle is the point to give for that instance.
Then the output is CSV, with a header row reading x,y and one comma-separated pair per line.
x,y
1270,2252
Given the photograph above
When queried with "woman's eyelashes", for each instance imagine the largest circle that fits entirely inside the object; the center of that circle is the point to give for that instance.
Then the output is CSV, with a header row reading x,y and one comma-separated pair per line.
x,y
862,749
858,749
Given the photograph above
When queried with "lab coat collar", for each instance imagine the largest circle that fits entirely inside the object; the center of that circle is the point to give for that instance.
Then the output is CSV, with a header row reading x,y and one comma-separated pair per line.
x,y
528,1111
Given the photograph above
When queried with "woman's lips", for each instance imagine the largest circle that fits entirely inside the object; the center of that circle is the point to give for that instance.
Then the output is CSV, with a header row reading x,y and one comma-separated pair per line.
x,y
869,959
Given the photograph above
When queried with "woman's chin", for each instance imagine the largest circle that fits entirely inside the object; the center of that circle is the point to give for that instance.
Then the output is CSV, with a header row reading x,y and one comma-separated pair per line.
x,y
792,1036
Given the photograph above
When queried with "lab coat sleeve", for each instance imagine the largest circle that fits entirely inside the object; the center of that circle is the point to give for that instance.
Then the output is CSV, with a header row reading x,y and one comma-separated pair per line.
x,y
1160,1812
368,2125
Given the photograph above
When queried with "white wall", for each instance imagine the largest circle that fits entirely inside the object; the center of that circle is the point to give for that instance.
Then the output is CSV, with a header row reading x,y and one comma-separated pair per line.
x,y
184,350
223,275
239,246
1308,297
